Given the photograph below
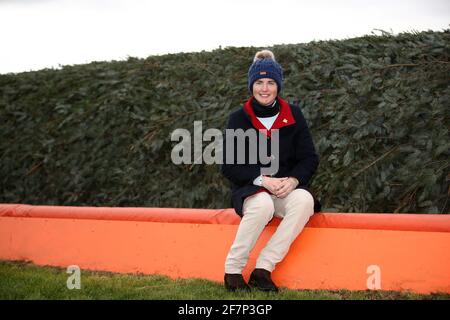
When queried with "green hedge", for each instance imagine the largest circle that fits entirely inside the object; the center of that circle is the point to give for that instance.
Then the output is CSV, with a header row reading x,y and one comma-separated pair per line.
x,y
99,134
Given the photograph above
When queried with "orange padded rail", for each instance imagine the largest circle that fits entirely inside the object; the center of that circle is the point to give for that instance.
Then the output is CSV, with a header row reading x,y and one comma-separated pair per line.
x,y
373,221
412,252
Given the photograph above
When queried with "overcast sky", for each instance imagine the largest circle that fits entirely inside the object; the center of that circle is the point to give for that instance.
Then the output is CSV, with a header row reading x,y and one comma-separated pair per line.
x,y
37,34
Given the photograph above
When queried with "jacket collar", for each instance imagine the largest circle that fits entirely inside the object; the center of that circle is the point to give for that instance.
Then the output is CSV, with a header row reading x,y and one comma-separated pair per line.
x,y
285,117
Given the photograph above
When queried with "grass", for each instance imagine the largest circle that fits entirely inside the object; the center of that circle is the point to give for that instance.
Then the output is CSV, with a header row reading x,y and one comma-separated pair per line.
x,y
23,280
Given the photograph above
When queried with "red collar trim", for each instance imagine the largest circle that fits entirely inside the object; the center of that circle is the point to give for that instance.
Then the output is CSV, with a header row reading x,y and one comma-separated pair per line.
x,y
285,117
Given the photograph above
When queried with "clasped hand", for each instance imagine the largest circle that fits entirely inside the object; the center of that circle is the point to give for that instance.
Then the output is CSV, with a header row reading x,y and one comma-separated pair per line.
x,y
280,187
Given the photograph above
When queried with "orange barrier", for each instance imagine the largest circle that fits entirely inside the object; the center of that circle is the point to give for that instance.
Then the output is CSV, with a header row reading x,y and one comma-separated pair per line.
x,y
372,221
322,257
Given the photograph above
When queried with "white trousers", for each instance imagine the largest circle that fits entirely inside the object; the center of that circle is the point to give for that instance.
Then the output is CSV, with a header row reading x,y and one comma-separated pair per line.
x,y
295,211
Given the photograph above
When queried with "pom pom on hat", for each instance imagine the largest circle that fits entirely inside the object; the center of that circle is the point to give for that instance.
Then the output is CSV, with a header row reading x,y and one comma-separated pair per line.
x,y
264,54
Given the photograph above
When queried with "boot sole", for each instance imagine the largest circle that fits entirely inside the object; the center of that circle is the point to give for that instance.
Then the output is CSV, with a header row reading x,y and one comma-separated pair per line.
x,y
254,284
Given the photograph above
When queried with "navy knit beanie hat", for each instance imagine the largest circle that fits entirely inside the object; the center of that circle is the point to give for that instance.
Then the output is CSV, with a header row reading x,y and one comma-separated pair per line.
x,y
265,66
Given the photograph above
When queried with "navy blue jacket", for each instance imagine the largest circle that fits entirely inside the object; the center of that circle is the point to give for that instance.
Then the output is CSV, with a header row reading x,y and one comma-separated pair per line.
x,y
297,155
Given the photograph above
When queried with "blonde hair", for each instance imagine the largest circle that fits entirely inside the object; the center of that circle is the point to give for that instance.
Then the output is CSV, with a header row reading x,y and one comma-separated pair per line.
x,y
264,54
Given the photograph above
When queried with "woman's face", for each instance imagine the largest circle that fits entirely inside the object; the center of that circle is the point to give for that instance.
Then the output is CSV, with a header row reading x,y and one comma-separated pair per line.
x,y
265,91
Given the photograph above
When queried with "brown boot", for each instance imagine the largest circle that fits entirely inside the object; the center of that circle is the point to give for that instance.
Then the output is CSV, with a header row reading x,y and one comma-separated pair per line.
x,y
261,279
235,282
